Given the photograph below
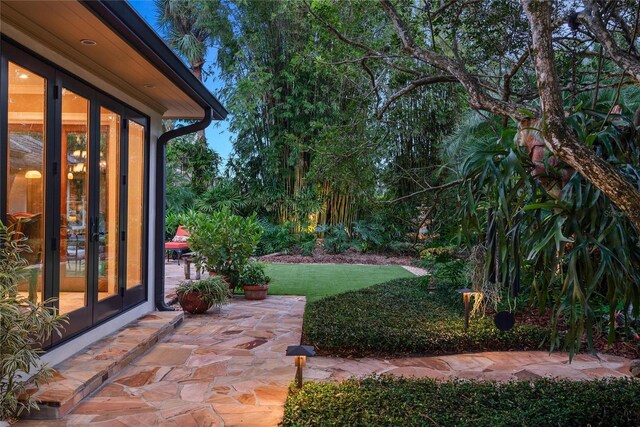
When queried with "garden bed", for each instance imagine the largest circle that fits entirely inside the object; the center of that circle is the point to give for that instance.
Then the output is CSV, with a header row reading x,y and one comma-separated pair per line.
x,y
402,318
387,401
350,256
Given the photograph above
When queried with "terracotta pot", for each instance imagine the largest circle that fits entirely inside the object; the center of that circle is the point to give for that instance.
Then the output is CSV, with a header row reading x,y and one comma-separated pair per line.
x,y
192,302
255,292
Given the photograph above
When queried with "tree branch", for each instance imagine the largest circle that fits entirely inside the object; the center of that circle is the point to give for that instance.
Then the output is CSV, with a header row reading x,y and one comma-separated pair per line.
x,y
625,60
479,98
426,190
557,135
412,86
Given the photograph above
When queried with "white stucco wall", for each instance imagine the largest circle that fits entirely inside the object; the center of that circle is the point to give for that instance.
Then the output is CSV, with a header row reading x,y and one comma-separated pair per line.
x,y
75,345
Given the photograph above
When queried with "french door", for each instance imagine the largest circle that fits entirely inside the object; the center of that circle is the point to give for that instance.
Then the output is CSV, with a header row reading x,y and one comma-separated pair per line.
x,y
75,187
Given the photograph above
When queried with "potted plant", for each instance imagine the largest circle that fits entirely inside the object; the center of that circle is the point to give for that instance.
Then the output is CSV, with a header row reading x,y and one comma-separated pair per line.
x,y
254,281
222,242
199,296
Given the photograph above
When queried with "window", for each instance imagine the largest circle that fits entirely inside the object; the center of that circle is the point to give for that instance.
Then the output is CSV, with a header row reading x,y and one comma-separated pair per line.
x,y
72,181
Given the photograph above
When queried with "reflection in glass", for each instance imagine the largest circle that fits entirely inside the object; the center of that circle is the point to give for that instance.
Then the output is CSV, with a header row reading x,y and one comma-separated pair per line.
x,y
73,207
135,204
108,206
26,185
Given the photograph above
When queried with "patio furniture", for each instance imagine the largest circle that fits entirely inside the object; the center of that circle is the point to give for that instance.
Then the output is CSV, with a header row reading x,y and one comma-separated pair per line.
x,y
188,260
178,244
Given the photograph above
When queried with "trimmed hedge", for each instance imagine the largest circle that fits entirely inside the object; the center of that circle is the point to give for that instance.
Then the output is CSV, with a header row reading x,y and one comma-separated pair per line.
x,y
387,401
401,317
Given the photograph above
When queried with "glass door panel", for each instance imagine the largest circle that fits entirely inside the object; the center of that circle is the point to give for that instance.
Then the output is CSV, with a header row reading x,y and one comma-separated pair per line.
x,y
25,207
108,203
74,207
135,204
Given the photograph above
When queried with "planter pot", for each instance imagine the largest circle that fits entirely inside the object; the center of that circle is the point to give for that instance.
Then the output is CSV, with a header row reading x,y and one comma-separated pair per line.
x,y
255,292
192,302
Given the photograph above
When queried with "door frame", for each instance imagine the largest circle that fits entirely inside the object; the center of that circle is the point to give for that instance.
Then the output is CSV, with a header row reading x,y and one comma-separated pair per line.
x,y
94,313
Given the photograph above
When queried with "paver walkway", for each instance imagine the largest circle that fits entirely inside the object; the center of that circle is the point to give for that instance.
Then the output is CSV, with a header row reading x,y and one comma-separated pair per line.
x,y
226,368
491,366
416,270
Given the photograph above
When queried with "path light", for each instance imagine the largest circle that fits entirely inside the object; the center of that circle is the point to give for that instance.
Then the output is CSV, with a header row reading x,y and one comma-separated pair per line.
x,y
300,352
466,297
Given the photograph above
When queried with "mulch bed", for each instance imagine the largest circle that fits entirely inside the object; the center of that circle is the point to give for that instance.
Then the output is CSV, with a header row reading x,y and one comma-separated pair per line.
x,y
628,349
347,257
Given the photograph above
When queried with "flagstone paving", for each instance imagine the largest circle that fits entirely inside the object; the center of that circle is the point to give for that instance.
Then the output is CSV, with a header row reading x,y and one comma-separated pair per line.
x,y
221,368
228,368
491,366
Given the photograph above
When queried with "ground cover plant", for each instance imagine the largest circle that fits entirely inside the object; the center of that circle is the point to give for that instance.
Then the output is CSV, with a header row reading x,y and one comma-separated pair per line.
x,y
404,317
321,280
388,401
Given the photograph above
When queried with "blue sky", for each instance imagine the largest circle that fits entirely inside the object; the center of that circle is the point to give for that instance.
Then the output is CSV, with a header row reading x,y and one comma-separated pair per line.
x,y
218,135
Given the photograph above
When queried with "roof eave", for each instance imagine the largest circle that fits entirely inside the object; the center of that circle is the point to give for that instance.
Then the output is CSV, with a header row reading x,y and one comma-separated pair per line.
x,y
124,20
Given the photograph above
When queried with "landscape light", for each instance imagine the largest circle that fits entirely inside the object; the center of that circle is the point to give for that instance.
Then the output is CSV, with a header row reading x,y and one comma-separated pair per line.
x,y
301,352
466,298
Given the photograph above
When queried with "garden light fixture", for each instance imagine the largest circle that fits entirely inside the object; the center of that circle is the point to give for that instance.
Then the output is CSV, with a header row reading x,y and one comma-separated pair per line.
x,y
466,297
300,352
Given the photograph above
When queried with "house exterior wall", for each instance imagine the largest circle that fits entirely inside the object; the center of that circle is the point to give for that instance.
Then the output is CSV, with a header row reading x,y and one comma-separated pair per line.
x,y
63,351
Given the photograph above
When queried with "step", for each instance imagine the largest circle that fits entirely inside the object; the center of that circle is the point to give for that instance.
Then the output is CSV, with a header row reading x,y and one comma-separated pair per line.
x,y
82,374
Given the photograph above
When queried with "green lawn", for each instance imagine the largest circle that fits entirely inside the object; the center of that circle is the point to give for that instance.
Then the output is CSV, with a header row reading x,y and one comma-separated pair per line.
x,y
319,280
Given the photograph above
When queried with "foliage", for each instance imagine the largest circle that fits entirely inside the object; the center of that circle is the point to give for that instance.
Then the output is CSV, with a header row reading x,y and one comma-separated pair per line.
x,y
192,170
25,324
438,253
276,238
253,274
336,240
213,290
223,241
402,317
582,250
389,401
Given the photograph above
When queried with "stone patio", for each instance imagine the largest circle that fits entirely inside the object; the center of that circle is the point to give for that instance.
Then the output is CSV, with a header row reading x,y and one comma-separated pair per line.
x,y
227,367
222,368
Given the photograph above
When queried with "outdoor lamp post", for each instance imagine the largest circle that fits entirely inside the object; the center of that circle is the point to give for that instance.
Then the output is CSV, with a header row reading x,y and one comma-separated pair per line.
x,y
300,352
466,297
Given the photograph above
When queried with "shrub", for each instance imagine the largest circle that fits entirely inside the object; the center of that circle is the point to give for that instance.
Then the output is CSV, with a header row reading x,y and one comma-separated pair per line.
x,y
439,254
223,241
275,238
336,240
253,274
401,317
389,401
24,325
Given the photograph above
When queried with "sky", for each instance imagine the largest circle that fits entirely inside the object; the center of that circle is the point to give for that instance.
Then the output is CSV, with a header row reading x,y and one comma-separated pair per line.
x,y
218,135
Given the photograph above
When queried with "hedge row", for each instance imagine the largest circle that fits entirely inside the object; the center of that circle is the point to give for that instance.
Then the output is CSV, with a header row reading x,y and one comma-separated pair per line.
x,y
386,401
402,317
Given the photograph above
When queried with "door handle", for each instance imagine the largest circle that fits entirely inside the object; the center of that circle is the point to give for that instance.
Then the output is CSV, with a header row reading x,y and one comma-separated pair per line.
x,y
95,236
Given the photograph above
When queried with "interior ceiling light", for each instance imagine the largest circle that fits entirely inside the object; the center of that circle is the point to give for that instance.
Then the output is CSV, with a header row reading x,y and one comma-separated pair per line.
x,y
149,86
88,42
33,174
23,76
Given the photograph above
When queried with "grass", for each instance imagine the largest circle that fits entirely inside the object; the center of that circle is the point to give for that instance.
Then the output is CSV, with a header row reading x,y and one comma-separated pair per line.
x,y
320,280
387,401
402,317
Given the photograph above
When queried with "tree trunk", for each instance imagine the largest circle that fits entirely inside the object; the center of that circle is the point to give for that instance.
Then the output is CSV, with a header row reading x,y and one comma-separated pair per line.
x,y
557,134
